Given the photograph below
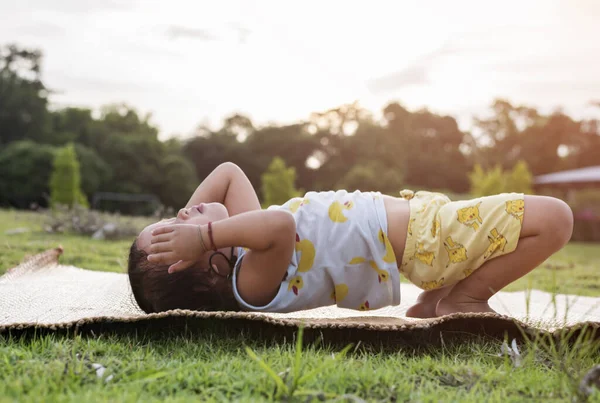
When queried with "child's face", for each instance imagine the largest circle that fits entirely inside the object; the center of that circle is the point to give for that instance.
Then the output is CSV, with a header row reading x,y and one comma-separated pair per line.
x,y
200,214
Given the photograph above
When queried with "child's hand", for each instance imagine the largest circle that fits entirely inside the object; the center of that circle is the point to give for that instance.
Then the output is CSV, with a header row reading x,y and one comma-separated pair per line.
x,y
178,245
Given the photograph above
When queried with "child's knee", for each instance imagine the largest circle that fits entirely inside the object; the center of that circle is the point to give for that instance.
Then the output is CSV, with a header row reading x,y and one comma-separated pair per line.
x,y
560,222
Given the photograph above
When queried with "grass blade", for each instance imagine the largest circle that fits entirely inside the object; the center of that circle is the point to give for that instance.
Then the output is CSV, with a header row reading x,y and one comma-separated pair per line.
x,y
297,358
312,373
268,370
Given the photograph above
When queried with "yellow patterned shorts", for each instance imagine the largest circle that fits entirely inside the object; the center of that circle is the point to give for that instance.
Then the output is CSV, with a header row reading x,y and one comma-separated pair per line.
x,y
448,240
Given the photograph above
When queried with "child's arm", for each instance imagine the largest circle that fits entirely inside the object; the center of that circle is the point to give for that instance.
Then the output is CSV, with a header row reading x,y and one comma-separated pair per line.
x,y
270,236
229,185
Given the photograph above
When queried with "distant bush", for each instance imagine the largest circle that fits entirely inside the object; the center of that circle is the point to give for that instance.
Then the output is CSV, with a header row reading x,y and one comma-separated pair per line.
x,y
519,179
278,183
495,180
65,181
25,169
82,221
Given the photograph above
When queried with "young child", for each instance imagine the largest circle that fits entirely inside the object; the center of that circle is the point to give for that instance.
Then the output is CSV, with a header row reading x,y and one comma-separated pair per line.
x,y
222,252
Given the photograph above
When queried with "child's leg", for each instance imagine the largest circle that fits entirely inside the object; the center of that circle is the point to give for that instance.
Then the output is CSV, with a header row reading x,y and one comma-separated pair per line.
x,y
547,227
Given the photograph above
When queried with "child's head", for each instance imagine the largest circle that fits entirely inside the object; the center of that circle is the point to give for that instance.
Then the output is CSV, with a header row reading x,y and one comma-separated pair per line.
x,y
196,288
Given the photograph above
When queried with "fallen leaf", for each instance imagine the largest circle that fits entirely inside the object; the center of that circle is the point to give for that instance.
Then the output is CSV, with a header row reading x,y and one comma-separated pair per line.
x,y
512,352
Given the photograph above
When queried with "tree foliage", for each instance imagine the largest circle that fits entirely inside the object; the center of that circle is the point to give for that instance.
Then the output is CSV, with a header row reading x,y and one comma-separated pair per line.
x,y
278,183
23,97
25,169
179,180
65,181
519,179
96,174
344,147
496,180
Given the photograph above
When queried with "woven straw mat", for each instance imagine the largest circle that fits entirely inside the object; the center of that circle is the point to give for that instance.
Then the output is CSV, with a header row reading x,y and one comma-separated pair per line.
x,y
42,293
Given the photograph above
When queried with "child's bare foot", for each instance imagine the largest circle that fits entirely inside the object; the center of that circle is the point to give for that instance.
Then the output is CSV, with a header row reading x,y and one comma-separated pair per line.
x,y
422,310
427,302
448,305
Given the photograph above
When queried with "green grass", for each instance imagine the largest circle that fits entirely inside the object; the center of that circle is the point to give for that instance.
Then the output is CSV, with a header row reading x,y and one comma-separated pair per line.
x,y
211,366
79,251
214,365
573,270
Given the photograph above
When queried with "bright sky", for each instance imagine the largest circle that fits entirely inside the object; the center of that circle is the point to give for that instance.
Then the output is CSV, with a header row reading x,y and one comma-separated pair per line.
x,y
190,62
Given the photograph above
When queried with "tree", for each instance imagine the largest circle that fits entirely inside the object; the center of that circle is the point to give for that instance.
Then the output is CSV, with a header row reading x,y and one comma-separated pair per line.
x,y
238,126
179,181
73,125
65,181
515,133
278,183
347,137
292,143
342,120
539,144
354,150
136,163
210,149
123,119
96,174
24,173
429,147
23,96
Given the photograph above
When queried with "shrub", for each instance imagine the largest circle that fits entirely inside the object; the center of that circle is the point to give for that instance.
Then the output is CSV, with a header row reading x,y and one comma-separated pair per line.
x,y
278,183
82,221
24,173
520,179
495,180
65,181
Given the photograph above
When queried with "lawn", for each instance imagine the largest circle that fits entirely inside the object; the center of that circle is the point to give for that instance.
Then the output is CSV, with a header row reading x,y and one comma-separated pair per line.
x,y
214,365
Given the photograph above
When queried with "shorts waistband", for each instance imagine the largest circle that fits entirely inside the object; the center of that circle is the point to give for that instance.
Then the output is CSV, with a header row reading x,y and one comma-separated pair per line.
x,y
416,201
409,245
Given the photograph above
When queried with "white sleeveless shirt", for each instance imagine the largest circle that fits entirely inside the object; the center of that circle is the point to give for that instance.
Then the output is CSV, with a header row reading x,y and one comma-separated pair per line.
x,y
342,255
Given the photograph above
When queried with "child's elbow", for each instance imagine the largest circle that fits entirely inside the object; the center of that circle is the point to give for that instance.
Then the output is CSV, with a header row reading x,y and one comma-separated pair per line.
x,y
285,226
286,221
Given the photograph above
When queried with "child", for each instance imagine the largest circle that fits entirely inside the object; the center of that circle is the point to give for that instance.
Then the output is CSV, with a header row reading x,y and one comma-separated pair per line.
x,y
222,252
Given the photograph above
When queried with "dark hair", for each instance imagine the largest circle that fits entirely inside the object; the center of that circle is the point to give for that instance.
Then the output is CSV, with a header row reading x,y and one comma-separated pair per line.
x,y
155,290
